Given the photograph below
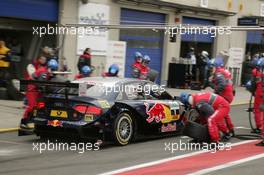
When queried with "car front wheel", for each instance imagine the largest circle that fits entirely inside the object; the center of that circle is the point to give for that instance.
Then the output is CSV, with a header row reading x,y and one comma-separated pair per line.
x,y
123,129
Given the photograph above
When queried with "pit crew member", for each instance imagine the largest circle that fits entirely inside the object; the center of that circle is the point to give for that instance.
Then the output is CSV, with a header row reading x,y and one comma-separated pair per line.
x,y
39,70
112,71
259,73
212,108
136,67
85,72
144,71
84,59
255,87
223,86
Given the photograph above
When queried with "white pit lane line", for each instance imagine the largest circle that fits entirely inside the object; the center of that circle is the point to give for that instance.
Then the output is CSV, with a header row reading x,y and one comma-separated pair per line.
x,y
8,152
242,127
229,164
171,158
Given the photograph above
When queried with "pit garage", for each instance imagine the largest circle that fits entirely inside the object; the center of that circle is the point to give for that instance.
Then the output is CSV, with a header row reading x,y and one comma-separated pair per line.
x,y
147,41
200,42
16,28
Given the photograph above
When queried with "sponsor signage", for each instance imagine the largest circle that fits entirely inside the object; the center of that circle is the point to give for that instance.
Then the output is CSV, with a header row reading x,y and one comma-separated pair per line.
x,y
116,54
95,38
236,57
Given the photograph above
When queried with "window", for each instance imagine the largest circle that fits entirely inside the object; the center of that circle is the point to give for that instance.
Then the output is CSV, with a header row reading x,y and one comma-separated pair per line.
x,y
133,92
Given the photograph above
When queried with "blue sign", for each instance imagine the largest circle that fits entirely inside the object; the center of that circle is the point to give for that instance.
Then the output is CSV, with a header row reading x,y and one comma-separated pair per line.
x,y
248,22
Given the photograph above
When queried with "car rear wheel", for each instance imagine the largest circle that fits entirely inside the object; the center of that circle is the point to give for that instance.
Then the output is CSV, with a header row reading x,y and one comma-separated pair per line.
x,y
123,129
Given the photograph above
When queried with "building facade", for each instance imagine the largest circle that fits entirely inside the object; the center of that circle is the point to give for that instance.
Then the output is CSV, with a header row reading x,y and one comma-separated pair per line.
x,y
158,45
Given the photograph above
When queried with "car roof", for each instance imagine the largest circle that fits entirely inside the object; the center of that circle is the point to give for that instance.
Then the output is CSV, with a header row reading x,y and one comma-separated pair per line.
x,y
107,81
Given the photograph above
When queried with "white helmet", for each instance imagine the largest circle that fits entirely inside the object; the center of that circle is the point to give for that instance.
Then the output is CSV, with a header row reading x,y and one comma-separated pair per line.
x,y
204,54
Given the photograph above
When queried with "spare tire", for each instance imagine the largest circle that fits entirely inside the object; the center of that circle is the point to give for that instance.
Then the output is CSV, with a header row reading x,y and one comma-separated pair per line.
x,y
196,131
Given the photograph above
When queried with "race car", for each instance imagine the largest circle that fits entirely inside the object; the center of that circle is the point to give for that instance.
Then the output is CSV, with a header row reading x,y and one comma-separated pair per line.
x,y
109,108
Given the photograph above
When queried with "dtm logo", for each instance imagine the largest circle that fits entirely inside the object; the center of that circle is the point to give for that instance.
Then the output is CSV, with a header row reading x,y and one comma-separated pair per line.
x,y
155,112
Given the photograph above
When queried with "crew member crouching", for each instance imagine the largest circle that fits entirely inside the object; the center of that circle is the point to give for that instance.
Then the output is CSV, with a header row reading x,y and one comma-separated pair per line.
x,y
85,72
205,103
112,71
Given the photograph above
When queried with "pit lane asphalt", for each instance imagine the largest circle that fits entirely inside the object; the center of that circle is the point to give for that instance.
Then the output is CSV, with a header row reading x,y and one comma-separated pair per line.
x,y
17,155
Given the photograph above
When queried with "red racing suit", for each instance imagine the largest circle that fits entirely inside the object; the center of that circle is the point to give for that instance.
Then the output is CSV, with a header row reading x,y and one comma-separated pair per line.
x,y
32,93
106,74
257,76
78,76
84,60
223,86
216,120
136,69
144,71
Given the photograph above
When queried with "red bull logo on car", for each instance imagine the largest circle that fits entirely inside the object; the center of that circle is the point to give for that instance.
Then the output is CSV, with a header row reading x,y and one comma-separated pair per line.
x,y
156,112
54,123
164,113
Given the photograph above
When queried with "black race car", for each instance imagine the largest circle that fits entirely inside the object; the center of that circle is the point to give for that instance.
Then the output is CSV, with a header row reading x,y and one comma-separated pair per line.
x,y
110,109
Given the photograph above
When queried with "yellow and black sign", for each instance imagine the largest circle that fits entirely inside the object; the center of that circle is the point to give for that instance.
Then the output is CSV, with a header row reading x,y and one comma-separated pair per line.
x,y
58,113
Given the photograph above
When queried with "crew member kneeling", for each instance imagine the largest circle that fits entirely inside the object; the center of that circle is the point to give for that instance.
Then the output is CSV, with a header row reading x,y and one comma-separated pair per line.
x,y
112,71
85,72
205,103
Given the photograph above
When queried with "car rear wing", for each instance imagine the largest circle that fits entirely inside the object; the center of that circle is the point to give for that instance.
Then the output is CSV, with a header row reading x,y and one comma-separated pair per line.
x,y
49,87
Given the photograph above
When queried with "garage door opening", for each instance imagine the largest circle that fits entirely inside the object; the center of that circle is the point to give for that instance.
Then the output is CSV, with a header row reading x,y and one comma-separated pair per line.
x,y
147,41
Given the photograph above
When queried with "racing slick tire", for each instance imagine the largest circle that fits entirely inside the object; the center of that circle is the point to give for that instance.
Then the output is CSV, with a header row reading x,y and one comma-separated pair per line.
x,y
196,131
123,129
